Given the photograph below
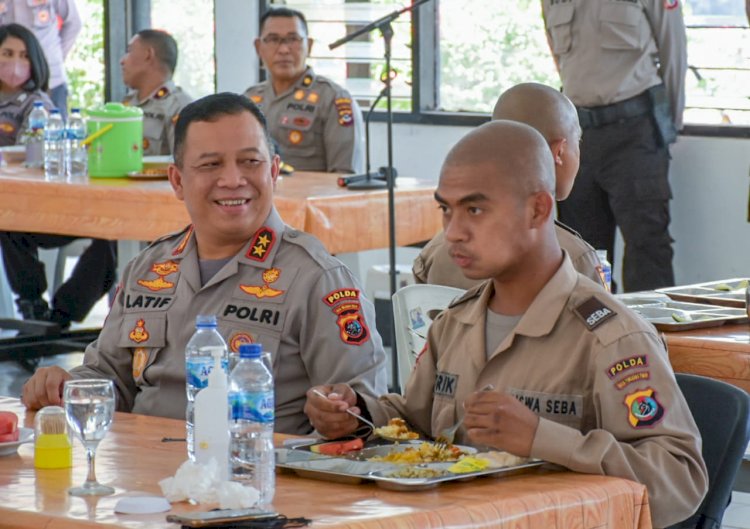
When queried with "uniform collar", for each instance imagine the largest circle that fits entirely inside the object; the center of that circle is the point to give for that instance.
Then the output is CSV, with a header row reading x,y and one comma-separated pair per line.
x,y
540,317
16,99
305,81
132,95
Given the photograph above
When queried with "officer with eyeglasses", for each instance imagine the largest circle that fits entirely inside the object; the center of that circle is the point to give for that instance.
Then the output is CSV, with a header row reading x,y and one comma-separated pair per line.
x,y
316,123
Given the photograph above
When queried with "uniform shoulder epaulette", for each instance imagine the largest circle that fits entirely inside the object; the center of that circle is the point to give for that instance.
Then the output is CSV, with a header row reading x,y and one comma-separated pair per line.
x,y
170,236
567,228
594,312
312,247
472,293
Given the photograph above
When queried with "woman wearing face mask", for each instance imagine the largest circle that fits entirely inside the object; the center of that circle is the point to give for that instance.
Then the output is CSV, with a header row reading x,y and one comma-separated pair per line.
x,y
24,76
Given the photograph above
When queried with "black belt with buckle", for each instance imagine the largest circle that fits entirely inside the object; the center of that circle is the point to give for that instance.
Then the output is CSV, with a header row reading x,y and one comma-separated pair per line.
x,y
592,117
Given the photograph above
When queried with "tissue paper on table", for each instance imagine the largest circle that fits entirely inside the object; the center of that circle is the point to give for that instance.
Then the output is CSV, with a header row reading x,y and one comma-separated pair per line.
x,y
201,483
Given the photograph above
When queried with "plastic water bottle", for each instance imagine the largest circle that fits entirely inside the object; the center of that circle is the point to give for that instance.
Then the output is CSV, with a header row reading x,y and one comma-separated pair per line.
x,y
54,132
35,141
198,365
75,151
605,272
251,401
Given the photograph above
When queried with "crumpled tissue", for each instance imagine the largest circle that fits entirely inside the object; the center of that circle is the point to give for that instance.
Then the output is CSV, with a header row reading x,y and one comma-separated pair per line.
x,y
202,483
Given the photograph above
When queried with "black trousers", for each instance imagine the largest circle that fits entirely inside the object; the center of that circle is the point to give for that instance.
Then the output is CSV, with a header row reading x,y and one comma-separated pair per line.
x,y
92,277
623,181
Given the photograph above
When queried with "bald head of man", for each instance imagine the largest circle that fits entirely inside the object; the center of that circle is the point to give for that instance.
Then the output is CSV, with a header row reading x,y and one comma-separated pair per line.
x,y
496,191
555,117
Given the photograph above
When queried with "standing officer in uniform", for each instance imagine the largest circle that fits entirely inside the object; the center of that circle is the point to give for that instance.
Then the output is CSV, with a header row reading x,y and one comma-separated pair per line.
x,y
56,24
316,123
266,282
623,64
579,379
147,69
554,116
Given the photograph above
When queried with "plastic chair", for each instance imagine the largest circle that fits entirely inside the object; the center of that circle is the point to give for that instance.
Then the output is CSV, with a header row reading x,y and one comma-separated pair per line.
x,y
413,308
722,413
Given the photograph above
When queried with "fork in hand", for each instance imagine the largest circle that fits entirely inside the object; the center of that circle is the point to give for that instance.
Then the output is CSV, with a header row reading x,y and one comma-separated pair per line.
x,y
446,436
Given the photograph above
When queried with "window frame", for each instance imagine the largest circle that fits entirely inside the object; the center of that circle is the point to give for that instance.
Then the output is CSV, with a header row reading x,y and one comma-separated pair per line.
x,y
426,82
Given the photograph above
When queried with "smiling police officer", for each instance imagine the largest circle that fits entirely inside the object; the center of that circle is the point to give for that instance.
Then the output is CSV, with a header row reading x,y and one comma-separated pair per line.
x,y
316,123
266,282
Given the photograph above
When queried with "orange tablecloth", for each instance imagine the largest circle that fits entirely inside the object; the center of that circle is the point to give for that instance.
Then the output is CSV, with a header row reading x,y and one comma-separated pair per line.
x,y
718,352
127,209
133,458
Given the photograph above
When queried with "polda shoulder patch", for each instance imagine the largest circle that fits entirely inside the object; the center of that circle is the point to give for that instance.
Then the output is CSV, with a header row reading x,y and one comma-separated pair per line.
x,y
593,312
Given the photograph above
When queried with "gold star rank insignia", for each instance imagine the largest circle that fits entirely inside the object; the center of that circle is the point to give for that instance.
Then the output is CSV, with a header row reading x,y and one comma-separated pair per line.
x,y
261,244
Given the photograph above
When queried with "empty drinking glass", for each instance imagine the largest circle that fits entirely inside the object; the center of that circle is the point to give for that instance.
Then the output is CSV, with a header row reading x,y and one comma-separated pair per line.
x,y
89,408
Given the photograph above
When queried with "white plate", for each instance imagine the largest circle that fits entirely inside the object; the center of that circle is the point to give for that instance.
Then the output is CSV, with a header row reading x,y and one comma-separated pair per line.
x,y
13,153
24,436
164,159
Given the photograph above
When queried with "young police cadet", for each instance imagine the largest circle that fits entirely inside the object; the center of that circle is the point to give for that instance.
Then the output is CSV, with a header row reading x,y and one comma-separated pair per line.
x,y
316,123
554,116
579,379
266,282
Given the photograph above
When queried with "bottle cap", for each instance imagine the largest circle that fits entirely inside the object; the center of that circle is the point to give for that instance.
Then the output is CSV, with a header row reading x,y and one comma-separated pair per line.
x,y
250,350
205,320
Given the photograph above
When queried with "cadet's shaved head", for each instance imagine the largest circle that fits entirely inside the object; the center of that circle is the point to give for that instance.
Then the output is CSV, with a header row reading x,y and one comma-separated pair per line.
x,y
517,155
541,107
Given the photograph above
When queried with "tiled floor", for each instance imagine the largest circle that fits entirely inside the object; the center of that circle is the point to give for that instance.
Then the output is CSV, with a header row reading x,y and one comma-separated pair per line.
x,y
737,515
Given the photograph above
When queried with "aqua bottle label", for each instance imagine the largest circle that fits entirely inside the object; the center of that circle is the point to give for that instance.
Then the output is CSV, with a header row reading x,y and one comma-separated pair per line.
x,y
252,406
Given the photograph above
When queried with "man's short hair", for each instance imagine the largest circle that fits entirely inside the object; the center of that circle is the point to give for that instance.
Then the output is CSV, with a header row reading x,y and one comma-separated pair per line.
x,y
211,108
286,13
39,79
164,46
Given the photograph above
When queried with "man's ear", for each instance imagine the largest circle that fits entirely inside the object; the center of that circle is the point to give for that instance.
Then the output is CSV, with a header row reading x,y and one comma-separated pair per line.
x,y
275,168
542,205
256,43
309,45
175,180
558,150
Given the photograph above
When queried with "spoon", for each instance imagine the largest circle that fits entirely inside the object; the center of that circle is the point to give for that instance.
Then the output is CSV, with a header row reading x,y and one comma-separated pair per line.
x,y
365,421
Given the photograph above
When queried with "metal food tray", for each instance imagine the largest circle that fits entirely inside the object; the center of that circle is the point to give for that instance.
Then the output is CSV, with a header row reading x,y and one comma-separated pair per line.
x,y
350,470
667,314
726,292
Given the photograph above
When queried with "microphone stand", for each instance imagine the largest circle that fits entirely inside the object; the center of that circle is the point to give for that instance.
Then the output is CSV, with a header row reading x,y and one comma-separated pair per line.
x,y
386,30
367,180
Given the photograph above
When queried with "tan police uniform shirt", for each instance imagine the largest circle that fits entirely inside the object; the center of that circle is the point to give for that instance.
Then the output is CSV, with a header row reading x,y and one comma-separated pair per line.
x,y
14,114
282,290
316,123
611,50
434,265
594,371
160,112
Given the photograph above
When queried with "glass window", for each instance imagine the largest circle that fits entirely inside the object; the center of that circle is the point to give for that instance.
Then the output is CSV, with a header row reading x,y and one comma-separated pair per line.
x,y
191,23
85,63
359,64
487,47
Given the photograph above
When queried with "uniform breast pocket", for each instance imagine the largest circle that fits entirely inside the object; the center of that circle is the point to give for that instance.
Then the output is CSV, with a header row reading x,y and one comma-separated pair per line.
x,y
237,335
623,27
145,335
300,131
153,135
41,12
559,24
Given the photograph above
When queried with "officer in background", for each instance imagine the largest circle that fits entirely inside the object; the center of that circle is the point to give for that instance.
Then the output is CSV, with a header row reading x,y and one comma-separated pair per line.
x,y
316,123
623,63
56,24
554,116
266,282
147,69
579,380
